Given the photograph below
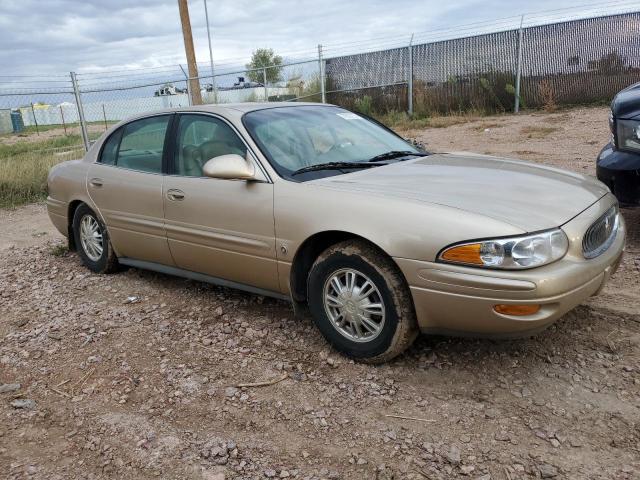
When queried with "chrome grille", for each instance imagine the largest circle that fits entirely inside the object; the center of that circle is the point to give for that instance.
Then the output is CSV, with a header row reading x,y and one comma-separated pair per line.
x,y
601,234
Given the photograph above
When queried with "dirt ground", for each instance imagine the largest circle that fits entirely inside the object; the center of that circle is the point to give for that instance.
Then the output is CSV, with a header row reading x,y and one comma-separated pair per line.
x,y
136,375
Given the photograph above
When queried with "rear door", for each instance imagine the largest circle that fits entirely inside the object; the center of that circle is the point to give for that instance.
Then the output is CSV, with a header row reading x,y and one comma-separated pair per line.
x,y
126,185
222,228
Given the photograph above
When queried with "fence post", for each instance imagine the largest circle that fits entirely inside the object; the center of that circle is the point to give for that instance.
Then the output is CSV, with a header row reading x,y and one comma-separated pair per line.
x,y
83,123
64,125
410,78
323,92
264,82
516,106
186,77
104,115
35,120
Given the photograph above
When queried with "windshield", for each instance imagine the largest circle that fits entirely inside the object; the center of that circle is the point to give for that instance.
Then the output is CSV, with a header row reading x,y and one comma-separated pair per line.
x,y
294,138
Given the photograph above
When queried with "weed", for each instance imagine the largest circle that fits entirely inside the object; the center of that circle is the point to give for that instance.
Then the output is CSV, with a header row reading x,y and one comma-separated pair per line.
x,y
548,96
23,175
364,105
59,250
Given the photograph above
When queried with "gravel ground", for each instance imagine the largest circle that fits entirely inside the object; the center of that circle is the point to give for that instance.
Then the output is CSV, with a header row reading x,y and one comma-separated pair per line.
x,y
139,375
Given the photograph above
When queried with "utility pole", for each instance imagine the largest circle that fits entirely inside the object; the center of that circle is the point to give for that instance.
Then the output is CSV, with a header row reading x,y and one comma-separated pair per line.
x,y
194,83
213,72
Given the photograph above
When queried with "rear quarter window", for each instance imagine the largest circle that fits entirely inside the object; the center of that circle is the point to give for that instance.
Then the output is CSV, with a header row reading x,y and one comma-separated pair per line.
x,y
110,148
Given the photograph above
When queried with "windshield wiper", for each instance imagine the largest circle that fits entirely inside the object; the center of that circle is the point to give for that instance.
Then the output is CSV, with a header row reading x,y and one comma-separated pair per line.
x,y
335,166
394,154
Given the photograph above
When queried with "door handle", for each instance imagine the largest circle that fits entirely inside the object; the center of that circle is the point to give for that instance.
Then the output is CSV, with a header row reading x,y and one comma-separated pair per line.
x,y
175,195
95,182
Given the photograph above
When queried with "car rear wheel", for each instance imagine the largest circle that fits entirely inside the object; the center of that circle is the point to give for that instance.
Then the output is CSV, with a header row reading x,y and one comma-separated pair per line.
x,y
361,303
92,241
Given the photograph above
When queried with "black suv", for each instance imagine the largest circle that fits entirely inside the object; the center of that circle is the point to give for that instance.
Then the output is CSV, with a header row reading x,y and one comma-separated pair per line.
x,y
618,164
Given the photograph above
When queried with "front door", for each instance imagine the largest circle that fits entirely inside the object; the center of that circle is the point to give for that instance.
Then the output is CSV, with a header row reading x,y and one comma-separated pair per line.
x,y
222,228
126,186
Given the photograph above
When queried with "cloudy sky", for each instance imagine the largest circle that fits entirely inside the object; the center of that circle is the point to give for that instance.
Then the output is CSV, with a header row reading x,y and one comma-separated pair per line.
x,y
57,36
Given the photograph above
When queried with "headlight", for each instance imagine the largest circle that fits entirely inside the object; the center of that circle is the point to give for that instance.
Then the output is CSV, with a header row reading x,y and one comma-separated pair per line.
x,y
628,135
512,253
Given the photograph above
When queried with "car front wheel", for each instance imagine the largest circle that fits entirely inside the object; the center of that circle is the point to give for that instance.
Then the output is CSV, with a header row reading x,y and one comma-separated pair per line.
x,y
361,303
92,241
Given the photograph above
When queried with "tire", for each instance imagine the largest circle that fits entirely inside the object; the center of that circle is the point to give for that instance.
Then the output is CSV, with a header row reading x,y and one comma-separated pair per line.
x,y
96,261
381,337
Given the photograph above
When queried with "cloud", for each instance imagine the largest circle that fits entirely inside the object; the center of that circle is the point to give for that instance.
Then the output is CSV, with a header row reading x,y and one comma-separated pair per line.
x,y
58,36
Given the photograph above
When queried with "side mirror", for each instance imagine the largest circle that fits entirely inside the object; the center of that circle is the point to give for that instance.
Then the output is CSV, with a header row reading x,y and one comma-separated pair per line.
x,y
230,167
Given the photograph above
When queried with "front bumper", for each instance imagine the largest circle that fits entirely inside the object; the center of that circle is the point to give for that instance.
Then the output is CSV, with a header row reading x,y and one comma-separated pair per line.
x,y
459,300
620,171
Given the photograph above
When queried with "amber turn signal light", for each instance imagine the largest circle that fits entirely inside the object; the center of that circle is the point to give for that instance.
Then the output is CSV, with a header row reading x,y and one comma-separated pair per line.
x,y
469,253
517,310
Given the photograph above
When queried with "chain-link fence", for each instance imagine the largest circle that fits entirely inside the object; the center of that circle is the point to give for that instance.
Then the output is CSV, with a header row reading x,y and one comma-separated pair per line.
x,y
564,63
576,61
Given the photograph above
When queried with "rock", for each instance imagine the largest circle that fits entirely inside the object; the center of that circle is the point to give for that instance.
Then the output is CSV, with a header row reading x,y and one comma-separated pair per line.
x,y
9,387
269,473
575,442
465,438
211,475
231,392
502,436
453,455
467,469
23,403
207,341
491,413
547,471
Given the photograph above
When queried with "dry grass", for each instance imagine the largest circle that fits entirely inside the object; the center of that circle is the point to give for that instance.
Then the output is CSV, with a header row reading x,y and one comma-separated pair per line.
x,y
548,96
23,175
533,131
25,160
402,122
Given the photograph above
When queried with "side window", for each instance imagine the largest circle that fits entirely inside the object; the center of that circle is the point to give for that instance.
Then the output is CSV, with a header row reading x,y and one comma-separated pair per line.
x,y
142,144
110,148
201,138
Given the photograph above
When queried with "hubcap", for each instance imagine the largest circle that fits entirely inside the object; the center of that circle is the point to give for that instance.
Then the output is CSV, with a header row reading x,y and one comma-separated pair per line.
x,y
91,237
354,305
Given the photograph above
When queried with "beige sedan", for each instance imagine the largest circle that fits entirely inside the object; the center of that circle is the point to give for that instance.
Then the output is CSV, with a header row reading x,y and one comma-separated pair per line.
x,y
334,212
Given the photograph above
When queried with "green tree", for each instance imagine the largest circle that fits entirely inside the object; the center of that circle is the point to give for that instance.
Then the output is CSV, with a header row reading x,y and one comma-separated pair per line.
x,y
261,58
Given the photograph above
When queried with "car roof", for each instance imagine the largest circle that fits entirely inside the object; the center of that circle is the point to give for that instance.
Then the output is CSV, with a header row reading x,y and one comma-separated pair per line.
x,y
231,111
228,110
246,107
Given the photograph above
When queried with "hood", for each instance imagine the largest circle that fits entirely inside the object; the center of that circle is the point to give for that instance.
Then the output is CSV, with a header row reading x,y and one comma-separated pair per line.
x,y
626,104
526,195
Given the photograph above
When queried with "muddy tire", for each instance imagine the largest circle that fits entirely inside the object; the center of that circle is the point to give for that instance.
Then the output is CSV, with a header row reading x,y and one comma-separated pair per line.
x,y
361,302
92,241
